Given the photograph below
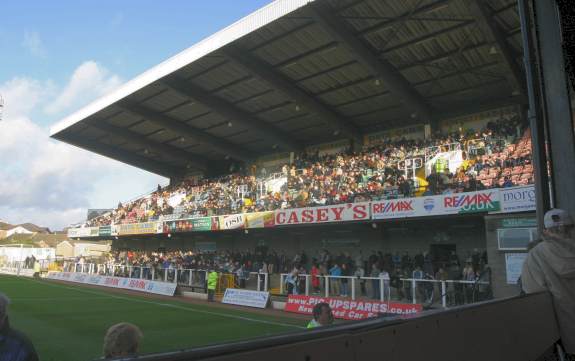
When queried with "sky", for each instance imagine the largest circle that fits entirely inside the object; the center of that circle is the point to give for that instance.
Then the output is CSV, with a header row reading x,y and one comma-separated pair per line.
x,y
58,56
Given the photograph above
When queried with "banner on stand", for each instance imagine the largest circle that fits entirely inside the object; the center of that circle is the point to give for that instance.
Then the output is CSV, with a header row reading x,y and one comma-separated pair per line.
x,y
349,309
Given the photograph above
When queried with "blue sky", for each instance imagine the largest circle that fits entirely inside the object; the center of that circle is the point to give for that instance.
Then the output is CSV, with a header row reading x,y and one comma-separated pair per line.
x,y
57,56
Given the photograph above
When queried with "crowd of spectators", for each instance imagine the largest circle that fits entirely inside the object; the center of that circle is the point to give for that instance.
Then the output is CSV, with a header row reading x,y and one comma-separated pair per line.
x,y
392,269
498,156
242,264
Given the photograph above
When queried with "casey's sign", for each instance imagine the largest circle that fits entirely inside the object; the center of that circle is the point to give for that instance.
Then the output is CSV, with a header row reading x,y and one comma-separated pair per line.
x,y
335,213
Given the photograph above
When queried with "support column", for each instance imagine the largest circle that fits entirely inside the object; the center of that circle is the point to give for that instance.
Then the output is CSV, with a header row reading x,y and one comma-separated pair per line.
x,y
534,113
557,107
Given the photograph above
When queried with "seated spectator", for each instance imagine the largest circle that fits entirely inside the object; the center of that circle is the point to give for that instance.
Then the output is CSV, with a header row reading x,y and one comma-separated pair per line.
x,y
122,339
507,182
376,172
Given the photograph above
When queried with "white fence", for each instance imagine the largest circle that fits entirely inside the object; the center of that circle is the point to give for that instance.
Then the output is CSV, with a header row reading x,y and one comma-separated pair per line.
x,y
414,289
21,268
193,278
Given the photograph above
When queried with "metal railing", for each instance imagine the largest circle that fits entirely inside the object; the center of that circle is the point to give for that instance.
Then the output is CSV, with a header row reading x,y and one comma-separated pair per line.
x,y
415,290
430,152
192,278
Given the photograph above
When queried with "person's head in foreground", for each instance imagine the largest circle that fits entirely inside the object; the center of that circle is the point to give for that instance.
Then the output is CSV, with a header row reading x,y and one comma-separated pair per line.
x,y
14,345
122,339
558,223
4,302
322,315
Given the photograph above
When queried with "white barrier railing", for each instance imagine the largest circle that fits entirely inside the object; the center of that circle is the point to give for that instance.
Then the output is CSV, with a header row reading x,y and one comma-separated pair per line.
x,y
422,289
335,283
16,266
194,278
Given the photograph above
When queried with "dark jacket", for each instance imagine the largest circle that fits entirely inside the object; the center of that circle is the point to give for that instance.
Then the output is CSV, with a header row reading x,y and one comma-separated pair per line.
x,y
15,346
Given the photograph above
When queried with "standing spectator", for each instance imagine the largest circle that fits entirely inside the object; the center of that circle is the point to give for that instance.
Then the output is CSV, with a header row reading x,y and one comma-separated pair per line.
x,y
37,269
345,272
242,274
292,282
427,264
550,266
375,282
359,261
336,272
14,345
396,259
419,275
360,273
212,284
314,277
384,275
122,339
406,260
469,275
441,275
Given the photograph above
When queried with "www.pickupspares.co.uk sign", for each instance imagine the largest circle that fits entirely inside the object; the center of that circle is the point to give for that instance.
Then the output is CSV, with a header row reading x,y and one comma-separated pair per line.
x,y
349,309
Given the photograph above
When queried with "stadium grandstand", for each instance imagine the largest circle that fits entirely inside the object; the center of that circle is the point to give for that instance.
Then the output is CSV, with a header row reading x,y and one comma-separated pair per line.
x,y
381,152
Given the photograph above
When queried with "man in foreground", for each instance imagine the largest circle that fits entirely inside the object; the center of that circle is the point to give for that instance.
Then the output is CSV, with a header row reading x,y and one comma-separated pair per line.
x,y
322,316
550,266
122,339
14,345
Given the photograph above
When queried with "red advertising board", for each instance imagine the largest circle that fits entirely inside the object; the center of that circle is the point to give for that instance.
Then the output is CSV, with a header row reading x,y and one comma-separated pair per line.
x,y
350,310
323,214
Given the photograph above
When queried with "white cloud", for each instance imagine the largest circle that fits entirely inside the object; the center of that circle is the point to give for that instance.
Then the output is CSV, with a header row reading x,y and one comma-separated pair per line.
x,y
89,81
21,95
34,44
48,182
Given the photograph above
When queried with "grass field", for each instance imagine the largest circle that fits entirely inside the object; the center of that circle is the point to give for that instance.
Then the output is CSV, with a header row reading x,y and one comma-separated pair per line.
x,y
68,321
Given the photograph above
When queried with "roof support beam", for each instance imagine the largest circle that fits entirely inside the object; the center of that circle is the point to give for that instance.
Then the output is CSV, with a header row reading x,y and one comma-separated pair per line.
x,y
268,74
235,114
129,158
438,5
396,83
493,32
468,108
427,37
141,140
459,110
176,126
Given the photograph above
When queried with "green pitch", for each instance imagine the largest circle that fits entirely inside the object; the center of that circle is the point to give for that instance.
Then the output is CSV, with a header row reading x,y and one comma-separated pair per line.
x,y
68,321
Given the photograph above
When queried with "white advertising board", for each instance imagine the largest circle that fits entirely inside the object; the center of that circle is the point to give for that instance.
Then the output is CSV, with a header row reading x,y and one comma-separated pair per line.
x,y
458,203
517,199
134,284
333,213
234,296
513,266
233,221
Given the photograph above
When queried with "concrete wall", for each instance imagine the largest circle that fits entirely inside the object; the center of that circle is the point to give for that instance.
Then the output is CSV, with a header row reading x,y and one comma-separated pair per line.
x,y
497,262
